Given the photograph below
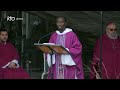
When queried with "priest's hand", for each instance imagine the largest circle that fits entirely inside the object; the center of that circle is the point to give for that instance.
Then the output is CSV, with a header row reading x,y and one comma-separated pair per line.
x,y
12,65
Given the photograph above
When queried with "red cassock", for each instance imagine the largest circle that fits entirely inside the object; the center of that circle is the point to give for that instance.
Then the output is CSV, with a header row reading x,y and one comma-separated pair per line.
x,y
110,58
8,53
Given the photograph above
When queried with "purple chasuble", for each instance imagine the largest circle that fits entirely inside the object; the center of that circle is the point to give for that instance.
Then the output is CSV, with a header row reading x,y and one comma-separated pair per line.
x,y
68,40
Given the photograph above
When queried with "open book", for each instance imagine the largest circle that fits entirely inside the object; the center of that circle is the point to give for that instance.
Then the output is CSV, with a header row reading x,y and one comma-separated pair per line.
x,y
49,47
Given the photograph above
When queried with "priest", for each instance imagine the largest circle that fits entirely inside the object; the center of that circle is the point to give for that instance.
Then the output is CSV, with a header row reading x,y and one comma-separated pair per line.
x,y
66,66
9,59
109,66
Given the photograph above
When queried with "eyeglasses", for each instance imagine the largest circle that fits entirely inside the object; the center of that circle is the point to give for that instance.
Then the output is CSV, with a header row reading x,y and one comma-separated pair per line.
x,y
113,29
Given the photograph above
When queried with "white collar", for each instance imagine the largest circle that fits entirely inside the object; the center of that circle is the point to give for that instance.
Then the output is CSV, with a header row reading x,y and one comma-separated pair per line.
x,y
65,31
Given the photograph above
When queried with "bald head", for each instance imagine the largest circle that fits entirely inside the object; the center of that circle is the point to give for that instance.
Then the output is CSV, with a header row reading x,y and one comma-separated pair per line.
x,y
111,26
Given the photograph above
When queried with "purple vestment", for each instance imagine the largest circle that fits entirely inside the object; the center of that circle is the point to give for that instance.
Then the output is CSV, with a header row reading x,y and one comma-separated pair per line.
x,y
7,54
110,58
68,40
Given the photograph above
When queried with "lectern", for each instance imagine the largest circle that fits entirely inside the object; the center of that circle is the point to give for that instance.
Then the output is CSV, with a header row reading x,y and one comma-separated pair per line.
x,y
50,48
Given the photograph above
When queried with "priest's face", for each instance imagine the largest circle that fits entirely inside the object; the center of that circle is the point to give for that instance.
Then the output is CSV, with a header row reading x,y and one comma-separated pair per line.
x,y
61,23
111,31
3,36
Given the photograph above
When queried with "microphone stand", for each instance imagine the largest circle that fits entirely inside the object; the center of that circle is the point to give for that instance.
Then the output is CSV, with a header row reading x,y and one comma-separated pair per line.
x,y
51,55
51,69
44,36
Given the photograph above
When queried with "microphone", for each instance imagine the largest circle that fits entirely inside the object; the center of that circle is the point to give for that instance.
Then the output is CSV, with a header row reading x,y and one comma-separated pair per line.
x,y
45,36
